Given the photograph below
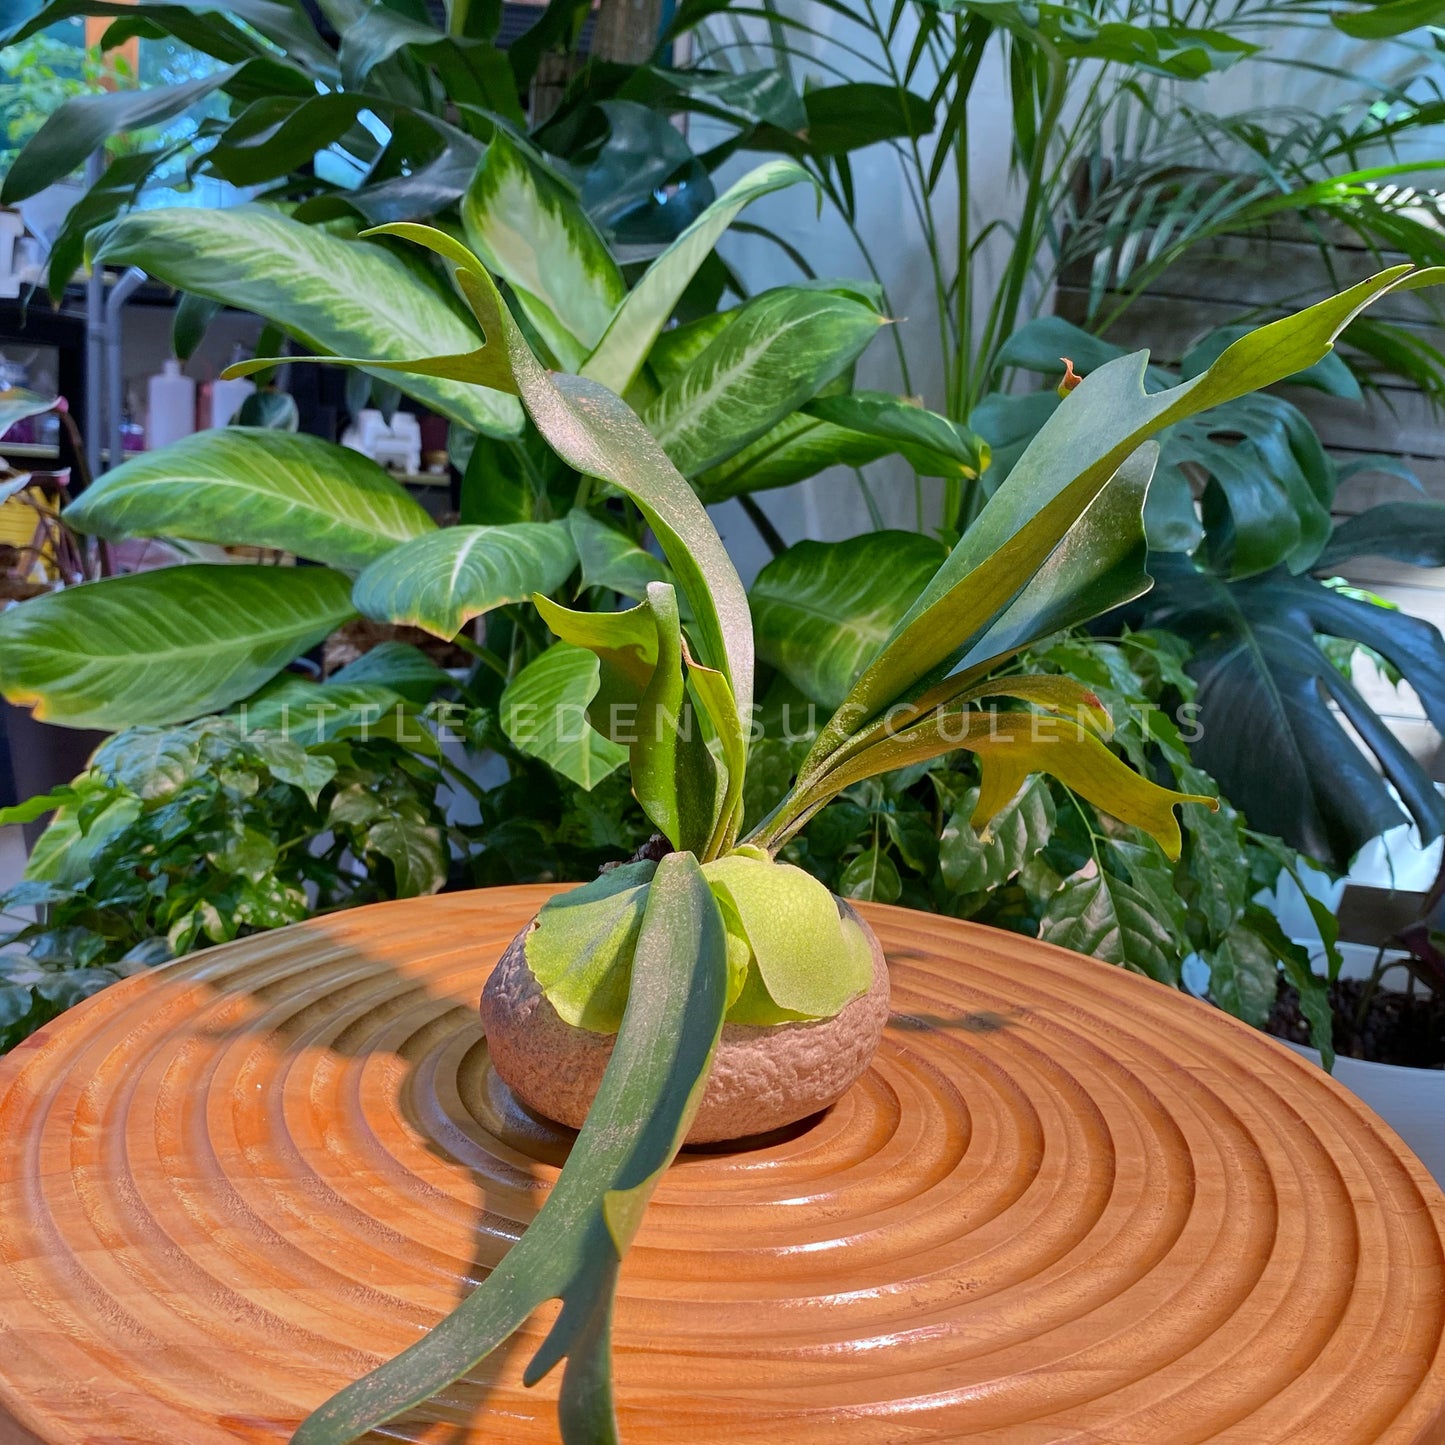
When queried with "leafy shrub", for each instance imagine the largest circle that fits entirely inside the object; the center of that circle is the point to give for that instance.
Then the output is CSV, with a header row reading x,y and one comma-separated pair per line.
x,y
1051,864
179,838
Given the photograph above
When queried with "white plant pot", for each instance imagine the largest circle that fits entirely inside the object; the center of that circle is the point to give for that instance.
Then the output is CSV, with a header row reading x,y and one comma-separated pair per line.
x,y
1410,1101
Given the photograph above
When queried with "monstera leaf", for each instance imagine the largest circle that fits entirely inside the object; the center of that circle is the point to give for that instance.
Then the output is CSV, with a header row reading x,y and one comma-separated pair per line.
x,y
1412,532
1268,481
1269,735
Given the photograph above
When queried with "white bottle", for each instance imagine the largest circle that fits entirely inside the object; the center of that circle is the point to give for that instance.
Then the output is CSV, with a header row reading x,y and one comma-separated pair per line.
x,y
227,396
171,398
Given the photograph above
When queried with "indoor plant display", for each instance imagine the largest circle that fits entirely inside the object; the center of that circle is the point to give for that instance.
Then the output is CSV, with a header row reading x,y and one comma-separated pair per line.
x,y
173,839
663,953
1249,581
715,392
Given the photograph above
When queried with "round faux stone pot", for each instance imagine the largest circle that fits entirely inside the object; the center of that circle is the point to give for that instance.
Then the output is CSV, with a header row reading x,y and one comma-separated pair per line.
x,y
761,1079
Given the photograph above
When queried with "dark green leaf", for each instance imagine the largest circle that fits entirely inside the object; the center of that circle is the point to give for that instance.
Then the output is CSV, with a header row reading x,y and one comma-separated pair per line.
x,y
1106,918
281,133
1243,975
194,315
796,448
872,877
971,862
1412,532
1268,733
1217,886
1314,996
415,846
269,409
71,133
406,670
609,558
848,117
1395,17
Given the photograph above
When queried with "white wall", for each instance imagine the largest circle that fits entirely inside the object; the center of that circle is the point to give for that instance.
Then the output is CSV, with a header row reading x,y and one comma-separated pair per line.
x,y
830,506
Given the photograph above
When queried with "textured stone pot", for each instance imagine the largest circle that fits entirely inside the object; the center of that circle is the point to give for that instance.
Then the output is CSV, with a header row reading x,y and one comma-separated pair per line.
x,y
761,1079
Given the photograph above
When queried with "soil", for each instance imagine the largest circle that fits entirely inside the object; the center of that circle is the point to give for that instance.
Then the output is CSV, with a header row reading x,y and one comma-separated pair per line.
x,y
1396,1028
352,639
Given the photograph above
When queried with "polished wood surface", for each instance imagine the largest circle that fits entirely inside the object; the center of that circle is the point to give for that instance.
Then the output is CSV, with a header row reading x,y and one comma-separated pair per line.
x,y
1065,1204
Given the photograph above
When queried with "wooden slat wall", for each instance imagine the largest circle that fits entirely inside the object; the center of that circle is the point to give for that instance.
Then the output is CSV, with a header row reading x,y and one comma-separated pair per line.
x,y
1226,279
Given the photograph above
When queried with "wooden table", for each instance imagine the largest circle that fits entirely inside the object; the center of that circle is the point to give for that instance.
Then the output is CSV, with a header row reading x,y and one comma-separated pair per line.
x,y
1066,1204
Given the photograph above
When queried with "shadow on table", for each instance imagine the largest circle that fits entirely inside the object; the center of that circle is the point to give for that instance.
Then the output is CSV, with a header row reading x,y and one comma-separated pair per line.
x,y
482,1116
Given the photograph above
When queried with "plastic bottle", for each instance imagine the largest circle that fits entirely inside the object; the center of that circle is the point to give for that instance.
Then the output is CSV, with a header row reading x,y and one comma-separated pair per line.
x,y
172,405
227,396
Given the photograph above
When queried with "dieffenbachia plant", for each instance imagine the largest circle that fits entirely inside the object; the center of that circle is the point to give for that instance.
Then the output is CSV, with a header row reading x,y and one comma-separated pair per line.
x,y
663,953
753,397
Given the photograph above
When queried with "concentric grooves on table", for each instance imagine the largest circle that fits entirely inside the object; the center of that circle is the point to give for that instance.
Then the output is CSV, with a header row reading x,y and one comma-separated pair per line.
x,y
1063,1204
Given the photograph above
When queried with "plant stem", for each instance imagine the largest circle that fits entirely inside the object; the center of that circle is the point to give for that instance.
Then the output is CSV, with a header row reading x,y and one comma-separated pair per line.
x,y
1003,315
875,516
772,538
484,655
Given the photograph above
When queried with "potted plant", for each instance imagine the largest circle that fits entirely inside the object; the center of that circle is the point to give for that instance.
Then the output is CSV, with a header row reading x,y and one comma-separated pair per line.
x,y
626,985
1388,1011
174,839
